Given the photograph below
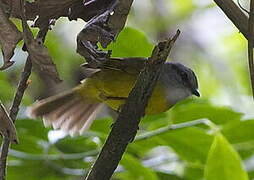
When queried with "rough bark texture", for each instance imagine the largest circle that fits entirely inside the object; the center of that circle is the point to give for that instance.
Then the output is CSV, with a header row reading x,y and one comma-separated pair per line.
x,y
245,25
235,14
7,128
251,44
13,114
126,125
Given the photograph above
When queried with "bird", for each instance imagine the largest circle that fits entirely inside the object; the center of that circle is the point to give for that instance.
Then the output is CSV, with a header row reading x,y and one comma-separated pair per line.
x,y
73,111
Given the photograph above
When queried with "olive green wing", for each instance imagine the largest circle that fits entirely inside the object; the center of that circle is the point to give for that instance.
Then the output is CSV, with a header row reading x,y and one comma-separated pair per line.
x,y
132,65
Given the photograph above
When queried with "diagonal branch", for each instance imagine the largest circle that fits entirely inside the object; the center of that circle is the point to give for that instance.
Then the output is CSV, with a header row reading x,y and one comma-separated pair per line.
x,y
126,125
13,114
235,14
141,137
245,26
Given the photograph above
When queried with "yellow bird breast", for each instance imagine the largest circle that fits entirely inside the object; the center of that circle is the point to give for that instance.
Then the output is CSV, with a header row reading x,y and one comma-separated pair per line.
x,y
112,87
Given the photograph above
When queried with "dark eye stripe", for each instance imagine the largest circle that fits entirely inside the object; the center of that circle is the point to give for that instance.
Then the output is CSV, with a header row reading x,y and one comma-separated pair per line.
x,y
187,75
182,73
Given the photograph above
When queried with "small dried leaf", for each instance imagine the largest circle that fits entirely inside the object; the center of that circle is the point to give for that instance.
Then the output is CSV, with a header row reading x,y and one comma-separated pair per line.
x,y
54,9
7,128
41,59
38,53
9,37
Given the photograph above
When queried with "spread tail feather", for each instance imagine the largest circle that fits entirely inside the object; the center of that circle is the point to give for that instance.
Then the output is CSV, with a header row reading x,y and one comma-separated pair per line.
x,y
67,111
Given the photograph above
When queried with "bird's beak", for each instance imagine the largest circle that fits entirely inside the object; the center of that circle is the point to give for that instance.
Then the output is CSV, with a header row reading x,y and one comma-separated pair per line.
x,y
196,92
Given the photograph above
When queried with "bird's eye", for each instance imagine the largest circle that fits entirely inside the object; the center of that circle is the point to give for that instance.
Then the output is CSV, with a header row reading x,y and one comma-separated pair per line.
x,y
184,76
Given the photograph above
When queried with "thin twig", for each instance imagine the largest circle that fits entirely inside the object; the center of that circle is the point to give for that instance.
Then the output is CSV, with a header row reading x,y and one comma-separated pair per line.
x,y
170,128
74,156
16,102
51,157
13,114
240,5
7,128
251,44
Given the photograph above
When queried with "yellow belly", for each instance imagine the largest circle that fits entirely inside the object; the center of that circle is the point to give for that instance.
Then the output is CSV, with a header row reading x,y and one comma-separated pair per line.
x,y
118,84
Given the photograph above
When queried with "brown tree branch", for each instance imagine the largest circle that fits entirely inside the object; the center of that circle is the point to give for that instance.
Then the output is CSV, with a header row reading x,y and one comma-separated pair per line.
x,y
75,156
7,128
14,111
73,9
13,114
251,44
245,26
235,14
126,125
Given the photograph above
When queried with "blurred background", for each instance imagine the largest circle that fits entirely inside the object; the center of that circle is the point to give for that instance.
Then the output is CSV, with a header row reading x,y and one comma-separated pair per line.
x,y
209,44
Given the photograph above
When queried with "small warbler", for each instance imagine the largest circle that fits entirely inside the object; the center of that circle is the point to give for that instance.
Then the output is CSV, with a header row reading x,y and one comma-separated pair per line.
x,y
73,111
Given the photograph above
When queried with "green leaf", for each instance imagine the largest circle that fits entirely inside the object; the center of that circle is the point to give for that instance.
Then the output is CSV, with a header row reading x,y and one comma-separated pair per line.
x,y
251,174
165,176
32,136
32,127
77,144
223,162
7,90
151,122
241,135
183,8
31,170
102,126
135,169
191,144
142,147
131,43
238,132
192,109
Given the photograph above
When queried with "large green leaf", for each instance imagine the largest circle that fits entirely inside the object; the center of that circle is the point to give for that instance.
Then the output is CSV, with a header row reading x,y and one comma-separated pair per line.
x,y
223,162
238,132
165,176
141,148
31,170
77,144
135,170
131,43
241,134
32,127
193,172
191,144
192,109
151,122
32,136
7,90
102,127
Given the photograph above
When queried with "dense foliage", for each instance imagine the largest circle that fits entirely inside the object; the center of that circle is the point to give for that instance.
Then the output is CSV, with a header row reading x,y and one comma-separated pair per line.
x,y
221,148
